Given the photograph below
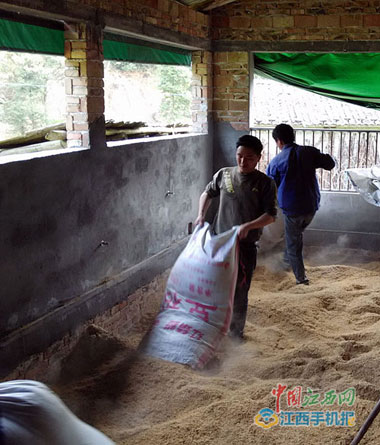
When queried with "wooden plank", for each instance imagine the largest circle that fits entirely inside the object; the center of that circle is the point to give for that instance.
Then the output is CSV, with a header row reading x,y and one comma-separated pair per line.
x,y
31,137
217,4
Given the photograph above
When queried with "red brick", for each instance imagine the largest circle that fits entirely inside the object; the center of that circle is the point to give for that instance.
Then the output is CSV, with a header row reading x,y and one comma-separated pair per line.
x,y
67,49
95,69
81,127
220,105
173,9
95,104
220,57
79,44
351,20
283,21
328,21
240,22
72,135
262,22
372,20
98,92
238,105
78,54
305,21
183,12
223,81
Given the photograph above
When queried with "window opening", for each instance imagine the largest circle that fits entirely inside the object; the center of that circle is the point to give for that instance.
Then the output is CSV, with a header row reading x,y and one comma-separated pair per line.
x,y
32,97
349,132
143,100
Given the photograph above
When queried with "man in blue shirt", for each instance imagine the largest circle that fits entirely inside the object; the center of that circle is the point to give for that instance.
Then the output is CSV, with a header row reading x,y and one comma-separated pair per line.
x,y
293,170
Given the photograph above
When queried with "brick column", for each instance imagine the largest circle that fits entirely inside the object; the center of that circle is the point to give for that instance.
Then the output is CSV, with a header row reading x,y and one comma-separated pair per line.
x,y
202,90
83,81
231,89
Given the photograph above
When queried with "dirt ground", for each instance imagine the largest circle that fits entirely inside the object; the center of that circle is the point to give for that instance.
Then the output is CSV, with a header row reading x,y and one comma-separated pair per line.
x,y
325,336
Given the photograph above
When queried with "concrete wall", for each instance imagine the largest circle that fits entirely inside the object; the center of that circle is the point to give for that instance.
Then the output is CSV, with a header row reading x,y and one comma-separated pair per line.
x,y
73,223
347,220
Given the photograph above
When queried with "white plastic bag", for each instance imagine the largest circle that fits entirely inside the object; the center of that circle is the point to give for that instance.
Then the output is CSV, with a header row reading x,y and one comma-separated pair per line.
x,y
273,234
31,414
367,182
197,308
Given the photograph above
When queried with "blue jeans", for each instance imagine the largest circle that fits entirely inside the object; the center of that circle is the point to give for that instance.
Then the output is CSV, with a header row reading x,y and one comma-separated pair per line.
x,y
294,228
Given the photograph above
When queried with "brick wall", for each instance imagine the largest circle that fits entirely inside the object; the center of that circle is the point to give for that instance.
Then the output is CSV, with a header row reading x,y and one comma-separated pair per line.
x,y
202,82
84,56
128,315
231,89
83,81
297,20
165,14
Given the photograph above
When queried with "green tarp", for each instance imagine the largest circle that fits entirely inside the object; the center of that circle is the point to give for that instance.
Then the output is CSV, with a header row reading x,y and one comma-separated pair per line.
x,y
352,77
16,36
127,50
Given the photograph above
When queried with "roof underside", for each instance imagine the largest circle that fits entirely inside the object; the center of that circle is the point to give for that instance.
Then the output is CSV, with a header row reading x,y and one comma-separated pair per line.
x,y
206,5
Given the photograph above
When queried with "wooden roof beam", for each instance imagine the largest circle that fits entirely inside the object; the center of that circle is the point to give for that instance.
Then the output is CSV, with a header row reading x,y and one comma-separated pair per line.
x,y
217,4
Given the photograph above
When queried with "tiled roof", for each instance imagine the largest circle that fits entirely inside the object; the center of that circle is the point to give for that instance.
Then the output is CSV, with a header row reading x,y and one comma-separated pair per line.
x,y
275,102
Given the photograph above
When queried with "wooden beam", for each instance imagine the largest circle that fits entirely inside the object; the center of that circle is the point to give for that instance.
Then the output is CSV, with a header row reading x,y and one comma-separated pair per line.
x,y
319,46
217,4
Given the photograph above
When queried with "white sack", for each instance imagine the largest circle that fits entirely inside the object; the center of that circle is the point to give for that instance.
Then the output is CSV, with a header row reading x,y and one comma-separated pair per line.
x,y
197,308
367,182
31,414
273,234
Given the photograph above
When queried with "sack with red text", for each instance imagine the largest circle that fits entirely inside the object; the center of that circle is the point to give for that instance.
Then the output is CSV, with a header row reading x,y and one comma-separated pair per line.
x,y
197,307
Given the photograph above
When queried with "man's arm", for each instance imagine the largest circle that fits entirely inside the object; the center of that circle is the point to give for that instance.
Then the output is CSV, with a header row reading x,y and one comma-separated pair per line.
x,y
257,223
273,173
204,204
212,191
324,161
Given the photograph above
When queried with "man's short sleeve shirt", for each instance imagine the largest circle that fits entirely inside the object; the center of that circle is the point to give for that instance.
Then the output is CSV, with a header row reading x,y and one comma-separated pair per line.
x,y
243,198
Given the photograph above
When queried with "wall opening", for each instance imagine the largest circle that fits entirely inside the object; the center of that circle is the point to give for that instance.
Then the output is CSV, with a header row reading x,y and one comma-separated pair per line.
x,y
32,97
347,131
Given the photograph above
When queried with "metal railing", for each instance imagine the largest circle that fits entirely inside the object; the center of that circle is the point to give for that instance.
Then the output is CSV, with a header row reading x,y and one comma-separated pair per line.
x,y
351,148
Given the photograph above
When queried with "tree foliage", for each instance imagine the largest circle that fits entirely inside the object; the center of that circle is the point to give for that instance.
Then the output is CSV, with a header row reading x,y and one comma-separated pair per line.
x,y
175,85
32,91
25,81
172,83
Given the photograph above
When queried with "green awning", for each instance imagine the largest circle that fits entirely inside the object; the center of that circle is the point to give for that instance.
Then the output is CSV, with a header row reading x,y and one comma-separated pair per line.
x,y
16,36
127,49
349,77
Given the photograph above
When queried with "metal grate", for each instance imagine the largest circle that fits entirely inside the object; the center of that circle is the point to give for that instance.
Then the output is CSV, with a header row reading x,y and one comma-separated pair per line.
x,y
349,148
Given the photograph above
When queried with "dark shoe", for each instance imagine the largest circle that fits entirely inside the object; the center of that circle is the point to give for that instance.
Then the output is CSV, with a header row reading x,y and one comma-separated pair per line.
x,y
236,337
304,281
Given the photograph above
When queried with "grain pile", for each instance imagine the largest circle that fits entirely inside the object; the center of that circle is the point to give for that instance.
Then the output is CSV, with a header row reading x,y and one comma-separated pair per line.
x,y
323,336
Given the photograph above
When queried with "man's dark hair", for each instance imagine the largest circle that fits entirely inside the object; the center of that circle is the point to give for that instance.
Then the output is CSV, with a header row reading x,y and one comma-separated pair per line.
x,y
250,142
284,133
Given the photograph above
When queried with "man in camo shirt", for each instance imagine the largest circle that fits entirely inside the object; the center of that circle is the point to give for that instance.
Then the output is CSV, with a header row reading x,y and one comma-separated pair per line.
x,y
247,198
